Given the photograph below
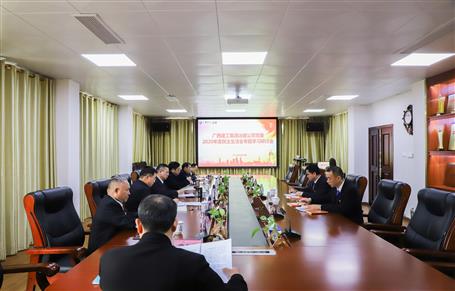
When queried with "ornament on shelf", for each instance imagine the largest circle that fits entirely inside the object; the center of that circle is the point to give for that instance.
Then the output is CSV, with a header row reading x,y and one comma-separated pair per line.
x,y
440,139
441,105
451,103
452,138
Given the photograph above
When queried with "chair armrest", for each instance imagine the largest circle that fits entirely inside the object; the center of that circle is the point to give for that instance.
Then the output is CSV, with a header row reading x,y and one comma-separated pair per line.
x,y
293,184
77,252
431,255
393,237
386,227
50,269
442,266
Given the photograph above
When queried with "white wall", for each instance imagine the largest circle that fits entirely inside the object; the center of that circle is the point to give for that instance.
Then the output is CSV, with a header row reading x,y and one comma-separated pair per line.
x,y
125,138
67,136
409,150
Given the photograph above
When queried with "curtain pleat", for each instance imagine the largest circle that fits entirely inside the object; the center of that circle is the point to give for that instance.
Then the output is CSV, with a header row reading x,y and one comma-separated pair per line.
x,y
141,139
99,142
27,149
337,140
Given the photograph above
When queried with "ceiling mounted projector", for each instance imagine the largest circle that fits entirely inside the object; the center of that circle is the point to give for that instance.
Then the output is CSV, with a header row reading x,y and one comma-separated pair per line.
x,y
237,100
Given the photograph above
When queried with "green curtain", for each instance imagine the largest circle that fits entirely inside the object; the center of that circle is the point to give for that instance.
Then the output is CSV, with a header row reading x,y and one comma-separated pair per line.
x,y
337,140
141,139
179,145
176,145
27,149
99,142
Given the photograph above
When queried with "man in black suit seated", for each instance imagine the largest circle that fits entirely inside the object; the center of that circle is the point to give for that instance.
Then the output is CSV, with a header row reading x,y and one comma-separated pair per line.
x,y
344,197
194,170
317,190
154,264
111,215
175,180
185,173
141,188
159,187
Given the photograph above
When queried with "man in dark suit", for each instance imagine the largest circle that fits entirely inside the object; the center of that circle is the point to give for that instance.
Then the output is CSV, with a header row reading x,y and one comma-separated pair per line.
x,y
317,190
185,173
141,188
175,180
344,197
154,264
159,187
194,169
111,215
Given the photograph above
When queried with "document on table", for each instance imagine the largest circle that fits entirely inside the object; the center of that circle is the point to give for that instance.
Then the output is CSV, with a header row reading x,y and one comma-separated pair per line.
x,y
187,195
218,254
190,203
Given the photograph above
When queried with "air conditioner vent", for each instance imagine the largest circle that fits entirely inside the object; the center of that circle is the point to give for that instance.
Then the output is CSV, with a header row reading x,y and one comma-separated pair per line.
x,y
96,25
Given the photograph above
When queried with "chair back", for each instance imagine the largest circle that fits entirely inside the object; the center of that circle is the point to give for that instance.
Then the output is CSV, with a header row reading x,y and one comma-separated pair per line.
x,y
289,173
359,182
1,275
53,219
95,191
302,178
390,202
432,225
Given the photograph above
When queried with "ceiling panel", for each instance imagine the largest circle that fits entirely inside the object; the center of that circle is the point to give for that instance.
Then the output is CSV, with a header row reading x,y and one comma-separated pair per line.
x,y
186,23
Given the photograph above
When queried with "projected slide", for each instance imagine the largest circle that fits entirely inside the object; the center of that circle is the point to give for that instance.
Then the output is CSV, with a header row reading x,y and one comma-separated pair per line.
x,y
237,142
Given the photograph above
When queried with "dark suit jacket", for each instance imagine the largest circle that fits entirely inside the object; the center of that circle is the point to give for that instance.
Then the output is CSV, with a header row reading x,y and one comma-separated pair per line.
x,y
163,189
154,264
319,192
139,190
349,204
109,219
176,182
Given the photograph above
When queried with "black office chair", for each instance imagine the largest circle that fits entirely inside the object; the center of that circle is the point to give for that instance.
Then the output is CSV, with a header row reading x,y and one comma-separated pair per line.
x,y
430,235
42,271
388,205
125,176
289,173
58,235
95,191
359,182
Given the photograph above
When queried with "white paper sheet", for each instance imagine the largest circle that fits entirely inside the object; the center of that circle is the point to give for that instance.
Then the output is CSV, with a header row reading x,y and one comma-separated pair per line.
x,y
218,254
187,195
190,203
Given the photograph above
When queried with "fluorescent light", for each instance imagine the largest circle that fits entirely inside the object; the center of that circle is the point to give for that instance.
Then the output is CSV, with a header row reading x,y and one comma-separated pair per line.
x,y
109,60
235,110
313,110
342,97
133,97
176,110
233,96
421,59
243,58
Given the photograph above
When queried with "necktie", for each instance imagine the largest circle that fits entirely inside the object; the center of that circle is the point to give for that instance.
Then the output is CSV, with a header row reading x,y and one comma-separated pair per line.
x,y
338,194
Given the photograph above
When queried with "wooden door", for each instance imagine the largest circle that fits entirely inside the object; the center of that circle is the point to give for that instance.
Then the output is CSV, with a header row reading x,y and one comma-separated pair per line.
x,y
380,149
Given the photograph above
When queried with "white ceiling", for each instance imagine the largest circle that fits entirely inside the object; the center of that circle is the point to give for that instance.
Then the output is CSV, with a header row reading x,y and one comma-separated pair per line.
x,y
315,49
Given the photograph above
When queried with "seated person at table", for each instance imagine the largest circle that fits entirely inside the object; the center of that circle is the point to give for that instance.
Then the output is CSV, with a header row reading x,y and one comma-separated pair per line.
x,y
317,190
344,197
185,173
175,180
159,187
111,215
141,188
154,263
194,170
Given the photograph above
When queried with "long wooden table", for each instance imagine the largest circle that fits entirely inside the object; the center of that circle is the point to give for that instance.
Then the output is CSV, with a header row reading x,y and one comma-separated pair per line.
x,y
333,254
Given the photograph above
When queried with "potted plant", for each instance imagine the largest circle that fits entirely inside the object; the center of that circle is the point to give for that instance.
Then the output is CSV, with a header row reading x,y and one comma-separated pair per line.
x,y
218,216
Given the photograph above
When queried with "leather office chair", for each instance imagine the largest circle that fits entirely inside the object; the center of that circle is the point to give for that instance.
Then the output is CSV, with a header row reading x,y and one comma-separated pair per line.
x,y
57,231
95,191
360,183
301,181
125,176
135,175
430,235
388,205
289,173
42,270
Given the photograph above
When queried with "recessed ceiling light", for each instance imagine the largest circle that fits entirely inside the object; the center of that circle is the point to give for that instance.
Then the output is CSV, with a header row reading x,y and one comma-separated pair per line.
x,y
417,59
233,96
313,110
133,97
342,97
176,110
235,110
109,60
243,58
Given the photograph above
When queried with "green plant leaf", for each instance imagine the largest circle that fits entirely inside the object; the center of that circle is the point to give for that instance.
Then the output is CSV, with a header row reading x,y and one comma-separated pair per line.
x,y
255,231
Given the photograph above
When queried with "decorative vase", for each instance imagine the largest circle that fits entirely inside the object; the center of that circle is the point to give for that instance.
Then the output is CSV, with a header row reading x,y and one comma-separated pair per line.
x,y
452,138
441,105
440,140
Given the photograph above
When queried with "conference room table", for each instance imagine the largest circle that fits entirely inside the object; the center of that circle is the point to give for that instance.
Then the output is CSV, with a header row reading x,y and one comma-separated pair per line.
x,y
332,254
